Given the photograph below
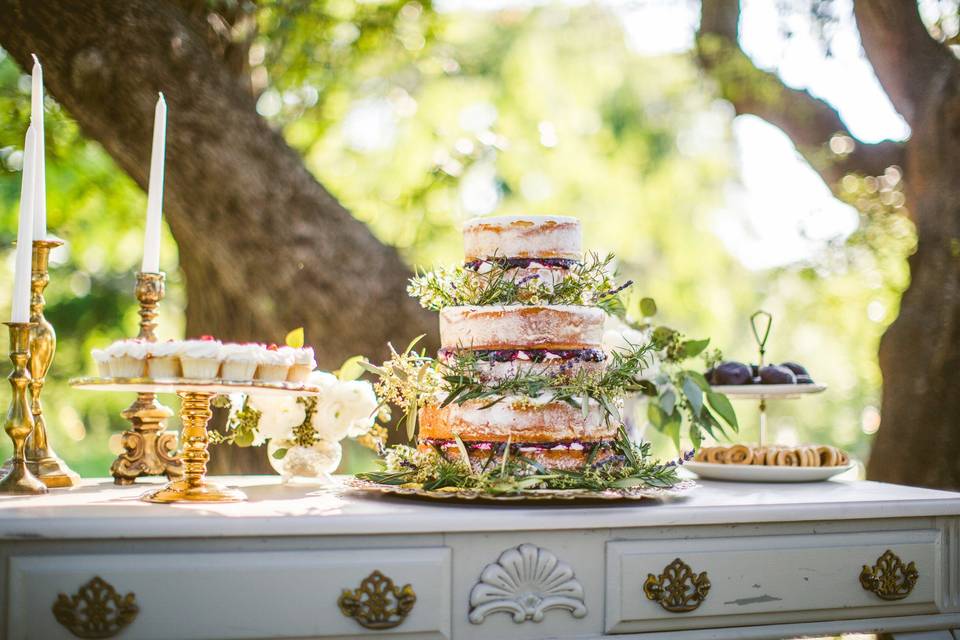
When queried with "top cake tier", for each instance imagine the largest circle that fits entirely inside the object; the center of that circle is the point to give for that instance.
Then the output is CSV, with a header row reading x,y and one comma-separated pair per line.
x,y
547,237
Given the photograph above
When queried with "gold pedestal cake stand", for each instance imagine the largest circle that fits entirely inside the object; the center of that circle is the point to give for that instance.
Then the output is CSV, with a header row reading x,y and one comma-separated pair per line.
x,y
195,413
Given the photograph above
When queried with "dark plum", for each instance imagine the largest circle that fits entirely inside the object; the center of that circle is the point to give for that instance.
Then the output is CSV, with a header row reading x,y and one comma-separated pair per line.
x,y
731,373
755,370
804,379
772,374
798,369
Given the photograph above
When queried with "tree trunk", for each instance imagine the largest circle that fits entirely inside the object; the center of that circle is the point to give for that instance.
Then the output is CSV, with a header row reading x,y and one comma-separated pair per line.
x,y
919,438
263,246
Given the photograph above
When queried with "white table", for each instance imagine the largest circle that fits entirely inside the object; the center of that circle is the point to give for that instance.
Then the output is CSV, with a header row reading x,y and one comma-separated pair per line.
x,y
781,561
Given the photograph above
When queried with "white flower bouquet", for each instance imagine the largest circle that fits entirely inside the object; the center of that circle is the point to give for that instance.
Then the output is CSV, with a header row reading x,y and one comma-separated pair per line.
x,y
674,393
303,433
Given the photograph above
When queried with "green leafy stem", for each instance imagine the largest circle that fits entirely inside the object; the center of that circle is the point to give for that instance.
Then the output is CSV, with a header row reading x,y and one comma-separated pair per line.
x,y
615,464
589,282
682,395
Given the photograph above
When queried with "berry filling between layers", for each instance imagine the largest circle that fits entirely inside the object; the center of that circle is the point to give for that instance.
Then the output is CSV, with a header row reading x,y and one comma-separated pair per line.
x,y
486,445
572,456
530,355
523,263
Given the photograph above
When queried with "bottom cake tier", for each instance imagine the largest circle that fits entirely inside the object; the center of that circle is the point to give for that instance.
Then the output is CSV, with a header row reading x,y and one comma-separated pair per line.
x,y
551,433
488,455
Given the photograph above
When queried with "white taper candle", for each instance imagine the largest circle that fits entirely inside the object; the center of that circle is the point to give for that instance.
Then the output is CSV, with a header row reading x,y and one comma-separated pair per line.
x,y
40,177
22,266
151,244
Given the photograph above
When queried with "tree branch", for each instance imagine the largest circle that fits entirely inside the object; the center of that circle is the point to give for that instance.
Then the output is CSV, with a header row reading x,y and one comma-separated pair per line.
x,y
809,121
264,247
910,65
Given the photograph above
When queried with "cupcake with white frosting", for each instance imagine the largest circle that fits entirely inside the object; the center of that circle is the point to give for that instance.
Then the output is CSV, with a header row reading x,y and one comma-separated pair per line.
x,y
200,359
102,358
163,359
274,364
240,361
303,363
128,358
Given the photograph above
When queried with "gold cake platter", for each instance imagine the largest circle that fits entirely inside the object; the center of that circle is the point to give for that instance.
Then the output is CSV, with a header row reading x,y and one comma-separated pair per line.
x,y
193,385
452,494
195,413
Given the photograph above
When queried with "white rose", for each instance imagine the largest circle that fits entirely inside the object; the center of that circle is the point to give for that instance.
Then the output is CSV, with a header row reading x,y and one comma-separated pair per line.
x,y
279,415
625,339
322,379
617,336
345,409
652,370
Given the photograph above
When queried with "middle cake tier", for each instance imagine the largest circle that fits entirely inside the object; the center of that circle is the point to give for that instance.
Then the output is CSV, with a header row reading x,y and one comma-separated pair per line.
x,y
560,327
521,419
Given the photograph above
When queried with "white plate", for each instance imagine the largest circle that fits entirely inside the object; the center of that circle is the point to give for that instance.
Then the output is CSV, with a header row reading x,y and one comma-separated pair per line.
x,y
758,391
763,473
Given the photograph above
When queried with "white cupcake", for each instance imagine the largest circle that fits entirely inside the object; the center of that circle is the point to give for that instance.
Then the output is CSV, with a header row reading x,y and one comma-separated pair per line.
x,y
164,359
128,358
102,358
240,361
303,363
200,359
274,365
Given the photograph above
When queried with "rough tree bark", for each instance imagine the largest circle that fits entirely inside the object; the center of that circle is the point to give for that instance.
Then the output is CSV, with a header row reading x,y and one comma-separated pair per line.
x,y
919,439
263,246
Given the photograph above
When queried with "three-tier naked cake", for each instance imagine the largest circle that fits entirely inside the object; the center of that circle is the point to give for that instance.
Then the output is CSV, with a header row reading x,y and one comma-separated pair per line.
x,y
503,342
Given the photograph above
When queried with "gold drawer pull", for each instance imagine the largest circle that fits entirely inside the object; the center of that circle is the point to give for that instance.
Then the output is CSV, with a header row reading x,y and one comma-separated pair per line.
x,y
678,589
378,603
889,578
96,610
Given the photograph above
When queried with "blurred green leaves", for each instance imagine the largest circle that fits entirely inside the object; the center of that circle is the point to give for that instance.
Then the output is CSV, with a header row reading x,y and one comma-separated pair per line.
x,y
417,120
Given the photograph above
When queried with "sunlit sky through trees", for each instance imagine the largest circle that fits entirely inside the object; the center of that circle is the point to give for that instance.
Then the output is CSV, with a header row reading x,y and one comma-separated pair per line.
x,y
778,211
421,119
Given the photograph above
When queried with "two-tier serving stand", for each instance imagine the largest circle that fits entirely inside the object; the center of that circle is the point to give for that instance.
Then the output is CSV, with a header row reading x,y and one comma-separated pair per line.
x,y
195,413
760,323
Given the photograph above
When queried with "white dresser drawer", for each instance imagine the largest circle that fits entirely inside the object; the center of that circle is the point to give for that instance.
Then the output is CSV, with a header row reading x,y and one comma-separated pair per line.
x,y
765,579
282,594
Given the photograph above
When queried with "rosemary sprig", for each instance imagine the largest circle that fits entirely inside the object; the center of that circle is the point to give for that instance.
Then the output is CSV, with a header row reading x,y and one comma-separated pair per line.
x,y
625,465
495,282
620,377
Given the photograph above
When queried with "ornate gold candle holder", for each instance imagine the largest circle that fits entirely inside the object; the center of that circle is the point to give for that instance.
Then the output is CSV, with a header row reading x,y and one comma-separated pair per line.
x,y
19,420
149,449
41,459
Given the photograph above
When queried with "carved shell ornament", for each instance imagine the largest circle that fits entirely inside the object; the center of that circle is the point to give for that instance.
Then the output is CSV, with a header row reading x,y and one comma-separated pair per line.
x,y
526,581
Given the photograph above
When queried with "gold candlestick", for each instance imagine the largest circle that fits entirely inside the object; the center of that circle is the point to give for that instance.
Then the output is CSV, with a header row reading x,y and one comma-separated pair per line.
x,y
149,449
19,422
41,459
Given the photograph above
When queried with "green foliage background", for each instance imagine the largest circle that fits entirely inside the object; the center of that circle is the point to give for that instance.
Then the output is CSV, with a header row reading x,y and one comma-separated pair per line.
x,y
550,105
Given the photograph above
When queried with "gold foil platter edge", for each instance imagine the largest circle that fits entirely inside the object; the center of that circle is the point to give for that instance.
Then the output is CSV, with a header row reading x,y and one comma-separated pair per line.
x,y
562,496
